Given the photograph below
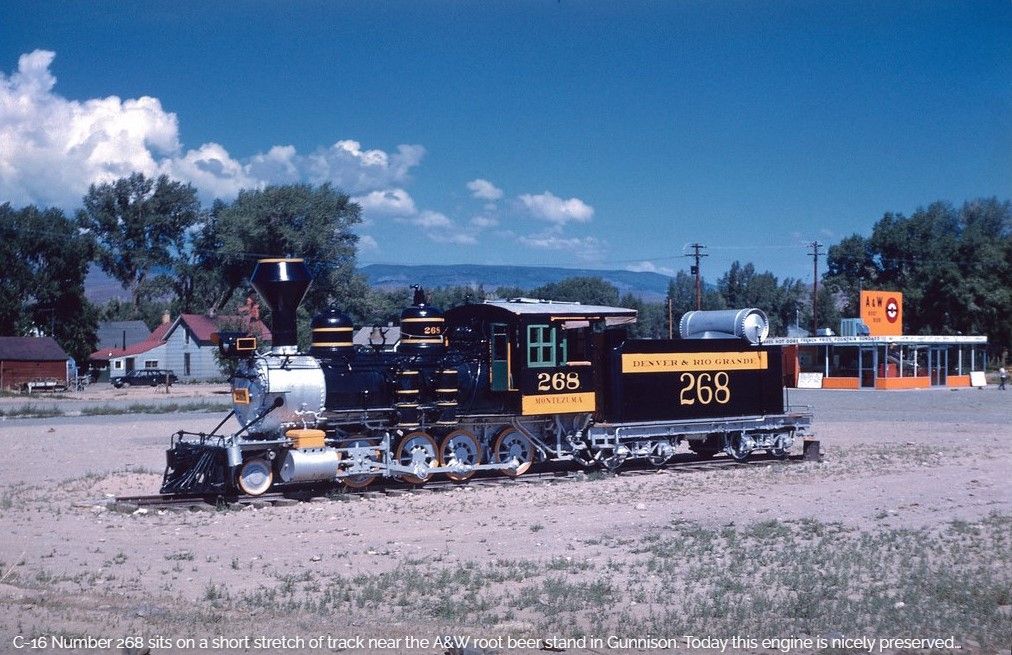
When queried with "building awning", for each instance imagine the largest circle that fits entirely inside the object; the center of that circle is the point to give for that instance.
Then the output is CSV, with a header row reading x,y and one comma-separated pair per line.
x,y
904,340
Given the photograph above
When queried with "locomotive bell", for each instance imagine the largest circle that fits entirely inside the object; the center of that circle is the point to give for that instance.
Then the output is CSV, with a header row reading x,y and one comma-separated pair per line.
x,y
282,283
421,325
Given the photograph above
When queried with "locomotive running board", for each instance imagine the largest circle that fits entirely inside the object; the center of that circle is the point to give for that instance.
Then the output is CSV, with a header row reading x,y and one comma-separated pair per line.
x,y
387,470
602,434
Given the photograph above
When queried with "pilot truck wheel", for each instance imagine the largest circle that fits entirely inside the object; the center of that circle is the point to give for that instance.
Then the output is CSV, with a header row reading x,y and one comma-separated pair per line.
x,y
255,477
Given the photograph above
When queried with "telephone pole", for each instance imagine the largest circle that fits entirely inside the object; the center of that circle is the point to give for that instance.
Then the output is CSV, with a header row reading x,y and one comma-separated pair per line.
x,y
696,247
815,245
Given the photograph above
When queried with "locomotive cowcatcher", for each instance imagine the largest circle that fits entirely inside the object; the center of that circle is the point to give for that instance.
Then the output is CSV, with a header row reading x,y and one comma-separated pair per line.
x,y
498,385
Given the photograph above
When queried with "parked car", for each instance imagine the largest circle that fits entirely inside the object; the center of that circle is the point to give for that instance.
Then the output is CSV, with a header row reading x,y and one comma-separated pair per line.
x,y
145,377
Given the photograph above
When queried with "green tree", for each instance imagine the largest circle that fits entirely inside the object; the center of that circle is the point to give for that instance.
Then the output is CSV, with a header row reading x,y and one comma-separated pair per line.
x,y
828,305
150,311
915,256
140,229
651,318
682,295
384,306
984,253
42,288
850,267
586,290
505,293
296,220
741,286
953,267
446,297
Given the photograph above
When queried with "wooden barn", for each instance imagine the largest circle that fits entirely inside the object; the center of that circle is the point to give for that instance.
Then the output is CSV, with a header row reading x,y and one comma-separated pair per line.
x,y
31,359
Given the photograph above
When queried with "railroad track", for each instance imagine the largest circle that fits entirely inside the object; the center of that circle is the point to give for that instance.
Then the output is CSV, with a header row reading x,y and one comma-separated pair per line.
x,y
381,488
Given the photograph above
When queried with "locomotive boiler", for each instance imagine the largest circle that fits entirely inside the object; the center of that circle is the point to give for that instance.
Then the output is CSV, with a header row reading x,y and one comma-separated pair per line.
x,y
491,386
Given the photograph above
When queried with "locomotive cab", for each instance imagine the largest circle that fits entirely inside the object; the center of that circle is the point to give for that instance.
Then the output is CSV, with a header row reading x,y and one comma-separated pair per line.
x,y
539,357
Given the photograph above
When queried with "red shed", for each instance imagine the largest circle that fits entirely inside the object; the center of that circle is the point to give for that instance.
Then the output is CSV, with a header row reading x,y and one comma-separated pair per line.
x,y
30,359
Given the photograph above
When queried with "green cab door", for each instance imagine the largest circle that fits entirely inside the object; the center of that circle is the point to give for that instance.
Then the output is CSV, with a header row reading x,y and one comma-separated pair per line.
x,y
500,358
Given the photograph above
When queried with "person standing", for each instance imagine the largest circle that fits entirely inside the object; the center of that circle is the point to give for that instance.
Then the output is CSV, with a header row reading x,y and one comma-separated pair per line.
x,y
1002,378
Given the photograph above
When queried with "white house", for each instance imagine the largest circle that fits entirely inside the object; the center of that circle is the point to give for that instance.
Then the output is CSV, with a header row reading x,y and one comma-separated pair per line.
x,y
114,362
189,350
183,346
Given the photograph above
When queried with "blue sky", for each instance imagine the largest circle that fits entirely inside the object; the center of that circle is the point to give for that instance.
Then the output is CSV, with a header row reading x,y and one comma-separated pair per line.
x,y
591,134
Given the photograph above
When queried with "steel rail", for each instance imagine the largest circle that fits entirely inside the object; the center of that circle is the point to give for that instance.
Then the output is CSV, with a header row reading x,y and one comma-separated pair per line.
x,y
683,463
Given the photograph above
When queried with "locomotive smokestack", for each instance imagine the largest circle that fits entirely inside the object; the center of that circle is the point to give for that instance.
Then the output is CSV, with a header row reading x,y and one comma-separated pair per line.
x,y
282,283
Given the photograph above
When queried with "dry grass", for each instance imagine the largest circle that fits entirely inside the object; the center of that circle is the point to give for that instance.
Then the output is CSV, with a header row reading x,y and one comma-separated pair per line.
x,y
769,578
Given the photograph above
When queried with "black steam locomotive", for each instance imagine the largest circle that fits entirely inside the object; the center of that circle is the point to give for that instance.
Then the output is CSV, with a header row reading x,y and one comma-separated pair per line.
x,y
498,385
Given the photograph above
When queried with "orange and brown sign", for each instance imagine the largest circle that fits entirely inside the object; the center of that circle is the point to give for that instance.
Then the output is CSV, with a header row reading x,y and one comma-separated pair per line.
x,y
560,403
882,312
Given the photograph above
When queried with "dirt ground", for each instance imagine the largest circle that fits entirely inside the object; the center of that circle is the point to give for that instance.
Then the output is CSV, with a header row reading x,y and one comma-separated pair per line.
x,y
904,531
103,391
103,398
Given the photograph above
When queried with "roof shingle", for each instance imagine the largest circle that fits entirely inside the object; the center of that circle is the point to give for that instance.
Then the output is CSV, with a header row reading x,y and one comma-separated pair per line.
x,y
31,349
113,334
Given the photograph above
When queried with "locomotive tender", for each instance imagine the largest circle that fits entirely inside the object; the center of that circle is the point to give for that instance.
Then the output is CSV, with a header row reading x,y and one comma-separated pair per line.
x,y
497,385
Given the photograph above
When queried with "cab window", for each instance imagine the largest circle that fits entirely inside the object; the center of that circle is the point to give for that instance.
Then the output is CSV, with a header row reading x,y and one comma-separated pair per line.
x,y
578,346
540,346
546,347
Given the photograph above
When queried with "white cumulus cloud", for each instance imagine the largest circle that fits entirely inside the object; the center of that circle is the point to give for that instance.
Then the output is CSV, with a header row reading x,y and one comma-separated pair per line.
x,y
649,267
211,169
459,238
53,148
484,190
586,248
391,202
367,243
549,207
440,228
430,219
483,222
352,169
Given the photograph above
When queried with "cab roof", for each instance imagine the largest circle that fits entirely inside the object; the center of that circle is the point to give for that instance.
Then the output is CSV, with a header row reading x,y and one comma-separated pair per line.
x,y
572,313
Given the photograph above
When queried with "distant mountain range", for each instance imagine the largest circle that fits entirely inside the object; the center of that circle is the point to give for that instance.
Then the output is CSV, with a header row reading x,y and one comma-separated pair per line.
x,y
653,287
647,286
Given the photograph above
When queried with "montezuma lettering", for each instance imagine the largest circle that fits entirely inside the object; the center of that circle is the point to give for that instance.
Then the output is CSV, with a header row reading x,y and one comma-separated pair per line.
x,y
559,402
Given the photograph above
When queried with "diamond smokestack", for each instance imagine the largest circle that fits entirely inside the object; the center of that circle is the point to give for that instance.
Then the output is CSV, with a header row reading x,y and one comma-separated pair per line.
x,y
282,283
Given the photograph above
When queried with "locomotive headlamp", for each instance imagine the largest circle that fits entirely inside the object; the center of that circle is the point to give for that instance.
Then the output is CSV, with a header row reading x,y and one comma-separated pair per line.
x,y
232,345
